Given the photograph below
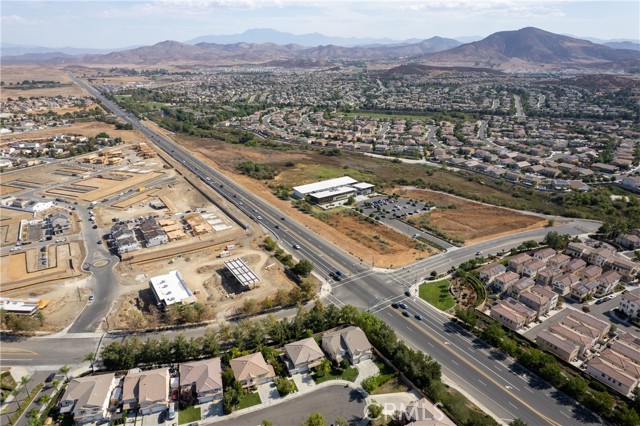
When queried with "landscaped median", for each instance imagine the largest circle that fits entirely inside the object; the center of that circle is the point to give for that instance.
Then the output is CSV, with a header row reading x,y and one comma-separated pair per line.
x,y
437,293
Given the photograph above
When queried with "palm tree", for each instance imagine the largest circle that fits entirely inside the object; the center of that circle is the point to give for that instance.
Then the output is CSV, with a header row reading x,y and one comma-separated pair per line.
x,y
65,370
44,399
23,381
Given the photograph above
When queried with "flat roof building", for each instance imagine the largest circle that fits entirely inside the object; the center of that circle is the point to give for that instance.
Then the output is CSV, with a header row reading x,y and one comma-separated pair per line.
x,y
330,190
241,272
171,288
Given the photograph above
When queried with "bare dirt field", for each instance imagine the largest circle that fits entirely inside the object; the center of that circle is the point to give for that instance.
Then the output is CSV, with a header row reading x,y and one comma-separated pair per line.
x,y
201,272
19,73
7,190
10,224
470,221
17,270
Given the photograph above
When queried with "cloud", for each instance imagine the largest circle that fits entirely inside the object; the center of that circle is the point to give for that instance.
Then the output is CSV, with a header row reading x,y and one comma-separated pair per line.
x,y
16,20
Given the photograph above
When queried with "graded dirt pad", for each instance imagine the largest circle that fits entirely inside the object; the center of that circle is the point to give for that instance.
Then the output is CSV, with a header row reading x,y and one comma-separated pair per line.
x,y
16,271
6,190
10,224
136,199
88,129
470,221
106,187
393,248
19,73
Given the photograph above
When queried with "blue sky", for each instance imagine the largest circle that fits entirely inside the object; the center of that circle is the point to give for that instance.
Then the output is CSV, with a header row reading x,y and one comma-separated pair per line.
x,y
107,24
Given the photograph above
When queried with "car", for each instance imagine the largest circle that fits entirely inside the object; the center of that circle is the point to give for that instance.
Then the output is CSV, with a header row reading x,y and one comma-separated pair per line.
x,y
99,241
600,301
95,226
478,253
259,217
406,314
407,293
394,305
282,218
418,317
296,246
277,226
208,178
50,378
335,276
402,305
91,297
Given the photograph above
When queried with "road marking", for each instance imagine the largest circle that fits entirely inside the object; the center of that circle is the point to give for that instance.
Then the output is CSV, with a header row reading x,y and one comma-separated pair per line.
x,y
483,383
453,361
513,406
565,414
486,376
17,351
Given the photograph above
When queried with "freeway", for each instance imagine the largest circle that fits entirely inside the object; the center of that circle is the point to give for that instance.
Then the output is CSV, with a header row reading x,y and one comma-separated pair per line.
x,y
474,369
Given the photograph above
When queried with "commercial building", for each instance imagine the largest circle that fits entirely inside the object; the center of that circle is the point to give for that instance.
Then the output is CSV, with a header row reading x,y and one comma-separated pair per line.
x,y
331,190
171,288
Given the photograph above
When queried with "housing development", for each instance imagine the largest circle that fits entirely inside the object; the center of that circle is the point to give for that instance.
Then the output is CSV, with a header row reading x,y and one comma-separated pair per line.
x,y
230,232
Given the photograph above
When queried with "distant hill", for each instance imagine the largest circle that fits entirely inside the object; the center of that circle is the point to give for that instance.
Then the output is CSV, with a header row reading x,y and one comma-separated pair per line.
x,y
7,49
532,48
434,44
630,45
418,69
264,35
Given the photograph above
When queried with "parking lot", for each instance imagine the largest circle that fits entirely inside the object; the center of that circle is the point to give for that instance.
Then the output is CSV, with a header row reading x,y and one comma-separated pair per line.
x,y
393,211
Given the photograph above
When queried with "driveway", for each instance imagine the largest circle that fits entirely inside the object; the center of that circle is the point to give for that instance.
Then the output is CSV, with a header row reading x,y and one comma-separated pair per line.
x,y
366,369
268,393
332,402
304,382
211,409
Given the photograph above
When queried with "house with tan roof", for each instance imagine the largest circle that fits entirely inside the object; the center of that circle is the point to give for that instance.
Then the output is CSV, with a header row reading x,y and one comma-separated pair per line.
x,y
512,313
535,301
608,282
544,254
607,373
583,289
578,335
303,355
562,284
146,390
502,282
587,324
532,267
561,347
87,399
630,303
516,263
489,272
559,260
520,286
202,378
423,413
252,370
347,343
547,275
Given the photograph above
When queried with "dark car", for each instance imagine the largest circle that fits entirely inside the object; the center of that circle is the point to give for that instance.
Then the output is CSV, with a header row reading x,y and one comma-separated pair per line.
x,y
50,378
99,241
335,276
407,293
406,314
402,305
282,218
418,317
95,226
394,305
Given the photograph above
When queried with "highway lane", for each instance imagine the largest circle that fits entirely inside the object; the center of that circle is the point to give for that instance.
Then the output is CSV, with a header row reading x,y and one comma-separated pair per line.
x,y
366,288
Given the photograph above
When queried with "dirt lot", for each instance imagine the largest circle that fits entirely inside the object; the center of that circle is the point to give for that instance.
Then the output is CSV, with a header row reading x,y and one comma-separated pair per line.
x,y
18,271
10,224
201,272
19,73
470,221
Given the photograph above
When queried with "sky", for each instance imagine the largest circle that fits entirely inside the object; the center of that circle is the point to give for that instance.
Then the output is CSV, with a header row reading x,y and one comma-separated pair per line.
x,y
112,24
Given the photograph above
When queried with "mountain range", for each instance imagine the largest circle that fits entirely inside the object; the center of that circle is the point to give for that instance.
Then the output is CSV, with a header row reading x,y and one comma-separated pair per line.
x,y
527,48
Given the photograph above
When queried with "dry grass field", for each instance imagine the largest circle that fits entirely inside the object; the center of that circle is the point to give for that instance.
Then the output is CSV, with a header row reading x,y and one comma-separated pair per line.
x,y
19,73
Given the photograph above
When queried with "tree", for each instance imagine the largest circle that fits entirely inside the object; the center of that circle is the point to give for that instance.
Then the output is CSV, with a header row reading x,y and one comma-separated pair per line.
x,y
575,387
468,316
303,268
518,422
493,334
44,399
370,383
285,386
24,380
323,368
314,419
374,410
624,416
340,422
269,244
266,422
250,306
557,241
65,370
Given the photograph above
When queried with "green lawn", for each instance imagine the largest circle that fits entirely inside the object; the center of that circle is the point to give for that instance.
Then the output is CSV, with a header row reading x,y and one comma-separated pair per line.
x,y
249,400
188,415
437,294
349,374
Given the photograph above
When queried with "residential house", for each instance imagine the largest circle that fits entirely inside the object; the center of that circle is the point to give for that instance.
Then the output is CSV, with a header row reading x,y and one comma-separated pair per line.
x,y
489,272
603,370
503,281
559,260
347,343
153,233
516,263
558,345
87,398
601,255
548,293
532,267
252,370
587,324
583,289
630,303
512,313
539,303
544,254
585,341
628,269
632,183
303,355
548,275
591,273
574,266
629,241
146,390
202,378
608,282
520,286
578,250
562,284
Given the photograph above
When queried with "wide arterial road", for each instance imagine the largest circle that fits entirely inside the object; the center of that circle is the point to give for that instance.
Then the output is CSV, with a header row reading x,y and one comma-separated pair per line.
x,y
497,384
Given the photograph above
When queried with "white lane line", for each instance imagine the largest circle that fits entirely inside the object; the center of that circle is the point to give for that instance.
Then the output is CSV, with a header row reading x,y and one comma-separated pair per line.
x,y
483,383
511,404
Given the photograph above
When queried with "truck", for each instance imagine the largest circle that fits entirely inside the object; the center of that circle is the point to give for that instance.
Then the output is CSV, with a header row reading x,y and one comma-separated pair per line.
x,y
93,203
